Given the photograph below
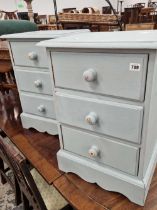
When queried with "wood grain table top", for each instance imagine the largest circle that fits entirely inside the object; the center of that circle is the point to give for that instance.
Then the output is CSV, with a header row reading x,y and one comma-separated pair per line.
x,y
40,149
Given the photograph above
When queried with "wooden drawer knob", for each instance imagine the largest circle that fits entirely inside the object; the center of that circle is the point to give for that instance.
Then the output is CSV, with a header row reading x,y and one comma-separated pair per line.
x,y
38,83
41,108
90,75
32,55
91,118
93,151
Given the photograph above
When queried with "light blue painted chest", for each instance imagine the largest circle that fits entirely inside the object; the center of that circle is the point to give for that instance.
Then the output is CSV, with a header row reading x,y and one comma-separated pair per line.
x,y
105,99
34,78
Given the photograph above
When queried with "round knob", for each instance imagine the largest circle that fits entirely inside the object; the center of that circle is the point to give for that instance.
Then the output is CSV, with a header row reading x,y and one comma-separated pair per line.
x,y
38,83
90,75
91,118
41,108
32,56
93,151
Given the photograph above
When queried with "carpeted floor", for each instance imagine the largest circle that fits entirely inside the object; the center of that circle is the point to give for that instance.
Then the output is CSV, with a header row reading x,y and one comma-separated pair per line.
x,y
7,197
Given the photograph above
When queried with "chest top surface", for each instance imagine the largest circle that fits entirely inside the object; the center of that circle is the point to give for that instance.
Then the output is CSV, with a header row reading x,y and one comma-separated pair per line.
x,y
117,40
49,34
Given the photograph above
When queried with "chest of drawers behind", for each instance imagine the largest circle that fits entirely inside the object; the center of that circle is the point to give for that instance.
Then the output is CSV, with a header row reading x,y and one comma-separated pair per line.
x,y
35,85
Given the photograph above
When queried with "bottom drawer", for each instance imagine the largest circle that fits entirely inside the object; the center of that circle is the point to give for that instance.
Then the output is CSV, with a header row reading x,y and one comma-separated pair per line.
x,y
118,155
38,105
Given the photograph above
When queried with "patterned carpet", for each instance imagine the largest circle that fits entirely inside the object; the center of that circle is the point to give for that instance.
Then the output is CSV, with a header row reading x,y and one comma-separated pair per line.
x,y
7,197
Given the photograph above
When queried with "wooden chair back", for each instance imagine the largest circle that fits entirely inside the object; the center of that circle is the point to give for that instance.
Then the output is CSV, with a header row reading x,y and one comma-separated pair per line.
x,y
9,15
30,195
42,19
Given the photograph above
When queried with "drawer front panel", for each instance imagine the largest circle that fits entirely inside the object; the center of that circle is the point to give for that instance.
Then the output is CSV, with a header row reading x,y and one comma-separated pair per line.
x,y
110,118
28,54
101,150
37,82
38,105
120,75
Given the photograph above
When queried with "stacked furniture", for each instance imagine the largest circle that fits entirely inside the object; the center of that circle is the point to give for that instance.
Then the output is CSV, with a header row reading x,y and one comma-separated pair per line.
x,y
82,20
7,80
106,99
34,78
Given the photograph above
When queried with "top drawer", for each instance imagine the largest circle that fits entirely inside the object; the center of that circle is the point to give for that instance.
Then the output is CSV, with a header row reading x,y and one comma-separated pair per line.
x,y
28,54
120,75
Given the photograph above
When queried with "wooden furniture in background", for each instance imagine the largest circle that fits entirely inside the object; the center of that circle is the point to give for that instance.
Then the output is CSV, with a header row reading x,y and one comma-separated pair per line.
x,y
141,26
147,14
90,21
9,15
106,10
47,27
7,80
51,19
131,15
90,10
68,10
42,19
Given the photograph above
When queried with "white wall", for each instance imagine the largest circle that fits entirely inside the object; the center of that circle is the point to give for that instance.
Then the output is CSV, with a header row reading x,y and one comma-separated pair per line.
x,y
46,6
8,5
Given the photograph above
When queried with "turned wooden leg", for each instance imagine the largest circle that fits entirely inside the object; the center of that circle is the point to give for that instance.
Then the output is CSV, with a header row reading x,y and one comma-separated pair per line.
x,y
3,180
17,193
25,202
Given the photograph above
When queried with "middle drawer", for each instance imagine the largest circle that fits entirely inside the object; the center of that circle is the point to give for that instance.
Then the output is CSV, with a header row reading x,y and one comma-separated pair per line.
x,y
115,119
34,81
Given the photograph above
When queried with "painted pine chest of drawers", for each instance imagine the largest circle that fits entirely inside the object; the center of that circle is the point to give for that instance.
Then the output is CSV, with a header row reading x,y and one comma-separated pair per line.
x,y
34,78
106,99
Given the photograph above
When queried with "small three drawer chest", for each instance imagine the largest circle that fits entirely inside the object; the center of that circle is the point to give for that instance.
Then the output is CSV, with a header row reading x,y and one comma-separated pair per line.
x,y
106,104
34,79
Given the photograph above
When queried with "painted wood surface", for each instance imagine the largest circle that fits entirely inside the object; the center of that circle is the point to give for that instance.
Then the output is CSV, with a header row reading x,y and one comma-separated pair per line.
x,y
34,81
34,77
27,54
40,105
106,40
85,108
114,119
115,74
40,35
101,150
41,124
